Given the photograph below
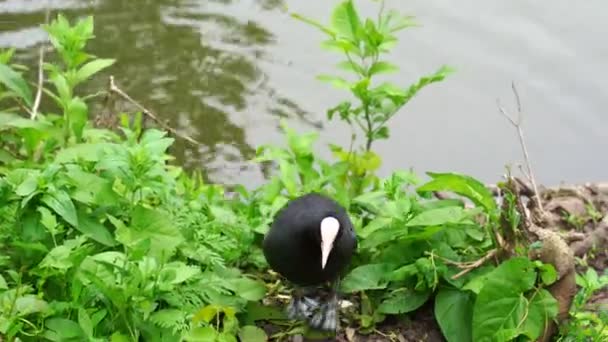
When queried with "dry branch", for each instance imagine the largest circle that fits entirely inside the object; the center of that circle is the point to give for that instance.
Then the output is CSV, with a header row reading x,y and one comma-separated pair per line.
x,y
517,123
468,268
34,111
116,90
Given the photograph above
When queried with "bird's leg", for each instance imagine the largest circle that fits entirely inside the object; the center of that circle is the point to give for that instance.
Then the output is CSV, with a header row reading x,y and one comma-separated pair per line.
x,y
301,306
326,317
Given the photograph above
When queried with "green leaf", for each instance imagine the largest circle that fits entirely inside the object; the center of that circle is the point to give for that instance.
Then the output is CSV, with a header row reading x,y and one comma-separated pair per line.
x,y
92,67
289,176
367,277
90,227
3,284
28,186
438,217
63,206
454,314
335,81
63,88
248,289
62,329
314,23
90,152
548,274
77,112
29,304
501,304
85,322
382,67
345,20
59,257
543,308
371,201
462,185
13,81
251,333
156,226
403,301
202,334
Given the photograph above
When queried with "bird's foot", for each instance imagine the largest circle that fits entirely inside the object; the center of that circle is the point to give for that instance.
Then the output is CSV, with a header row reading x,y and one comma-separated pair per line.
x,y
301,308
326,317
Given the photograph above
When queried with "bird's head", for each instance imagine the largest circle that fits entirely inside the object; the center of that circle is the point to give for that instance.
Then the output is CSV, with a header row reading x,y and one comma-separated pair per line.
x,y
329,230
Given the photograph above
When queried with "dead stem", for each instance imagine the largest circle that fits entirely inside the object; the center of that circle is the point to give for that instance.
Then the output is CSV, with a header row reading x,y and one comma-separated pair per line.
x,y
518,126
116,90
476,264
34,111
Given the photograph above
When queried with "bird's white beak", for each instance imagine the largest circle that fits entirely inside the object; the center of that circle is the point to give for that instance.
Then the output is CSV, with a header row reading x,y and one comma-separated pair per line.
x,y
329,230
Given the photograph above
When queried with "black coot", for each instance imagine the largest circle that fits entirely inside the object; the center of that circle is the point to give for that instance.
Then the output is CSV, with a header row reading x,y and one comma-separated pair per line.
x,y
310,242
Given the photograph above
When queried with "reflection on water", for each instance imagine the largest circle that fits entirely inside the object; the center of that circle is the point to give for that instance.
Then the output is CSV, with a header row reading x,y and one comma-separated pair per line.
x,y
190,65
225,71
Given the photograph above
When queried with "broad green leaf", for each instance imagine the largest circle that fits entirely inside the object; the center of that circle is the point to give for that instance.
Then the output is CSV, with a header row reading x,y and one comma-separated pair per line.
x,y
90,188
438,217
382,67
84,320
548,274
182,272
367,277
94,230
28,186
63,206
201,334
543,308
252,333
62,87
462,185
77,112
13,81
64,329
345,20
403,301
501,304
59,257
454,314
29,304
91,152
92,67
374,225
371,201
248,288
158,227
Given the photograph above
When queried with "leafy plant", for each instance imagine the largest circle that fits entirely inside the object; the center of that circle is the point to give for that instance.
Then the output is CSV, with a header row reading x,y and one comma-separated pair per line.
x,y
586,323
362,42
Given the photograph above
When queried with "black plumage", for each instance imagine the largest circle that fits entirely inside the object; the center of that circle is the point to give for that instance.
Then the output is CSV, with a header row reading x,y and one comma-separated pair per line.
x,y
292,248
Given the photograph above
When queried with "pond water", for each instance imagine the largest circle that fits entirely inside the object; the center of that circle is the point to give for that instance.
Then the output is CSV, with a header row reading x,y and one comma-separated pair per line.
x,y
226,71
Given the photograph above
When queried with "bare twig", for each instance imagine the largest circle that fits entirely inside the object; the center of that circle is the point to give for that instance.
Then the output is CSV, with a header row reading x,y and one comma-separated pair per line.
x,y
517,123
34,111
468,268
116,90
